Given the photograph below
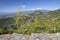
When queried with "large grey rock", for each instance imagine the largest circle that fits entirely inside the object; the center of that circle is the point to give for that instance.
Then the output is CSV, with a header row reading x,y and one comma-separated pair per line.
x,y
1,37
55,36
16,36
25,37
5,37
33,36
40,36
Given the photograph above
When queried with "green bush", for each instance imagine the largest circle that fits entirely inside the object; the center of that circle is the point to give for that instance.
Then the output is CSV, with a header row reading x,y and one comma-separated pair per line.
x,y
1,31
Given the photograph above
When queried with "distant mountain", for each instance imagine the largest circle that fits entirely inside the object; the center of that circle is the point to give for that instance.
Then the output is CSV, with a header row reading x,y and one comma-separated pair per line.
x,y
45,10
7,14
32,11
25,12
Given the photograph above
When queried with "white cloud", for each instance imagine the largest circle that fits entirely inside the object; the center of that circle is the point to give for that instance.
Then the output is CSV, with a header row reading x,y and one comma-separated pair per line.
x,y
23,6
35,9
32,9
38,8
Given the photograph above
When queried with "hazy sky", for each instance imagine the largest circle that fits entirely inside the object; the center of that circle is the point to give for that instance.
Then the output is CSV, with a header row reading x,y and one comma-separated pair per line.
x,y
14,5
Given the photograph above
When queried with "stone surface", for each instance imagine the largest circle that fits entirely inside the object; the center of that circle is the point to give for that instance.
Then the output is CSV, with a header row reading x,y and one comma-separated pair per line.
x,y
33,36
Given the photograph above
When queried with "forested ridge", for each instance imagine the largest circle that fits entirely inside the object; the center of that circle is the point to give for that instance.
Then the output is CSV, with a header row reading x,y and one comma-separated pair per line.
x,y
36,22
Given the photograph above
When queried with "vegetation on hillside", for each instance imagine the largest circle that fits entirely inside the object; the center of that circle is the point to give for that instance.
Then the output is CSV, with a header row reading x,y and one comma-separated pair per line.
x,y
37,22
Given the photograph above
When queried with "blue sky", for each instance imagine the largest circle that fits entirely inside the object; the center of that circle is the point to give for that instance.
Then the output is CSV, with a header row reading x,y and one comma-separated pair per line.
x,y
8,6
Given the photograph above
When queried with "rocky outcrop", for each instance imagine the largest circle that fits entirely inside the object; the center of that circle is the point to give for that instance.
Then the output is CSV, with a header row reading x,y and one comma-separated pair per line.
x,y
33,36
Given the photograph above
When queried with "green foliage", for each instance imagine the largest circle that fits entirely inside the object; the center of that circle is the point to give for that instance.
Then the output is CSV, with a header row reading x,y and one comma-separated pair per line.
x,y
1,31
37,22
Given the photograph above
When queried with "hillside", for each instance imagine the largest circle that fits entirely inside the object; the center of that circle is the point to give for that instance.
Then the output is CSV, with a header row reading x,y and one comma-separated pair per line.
x,y
36,22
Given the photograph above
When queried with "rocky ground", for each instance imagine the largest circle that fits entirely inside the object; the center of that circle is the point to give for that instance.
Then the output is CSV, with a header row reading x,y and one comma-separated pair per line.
x,y
33,36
